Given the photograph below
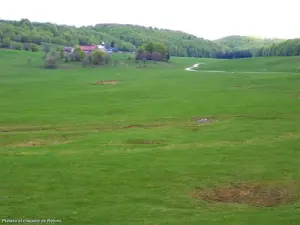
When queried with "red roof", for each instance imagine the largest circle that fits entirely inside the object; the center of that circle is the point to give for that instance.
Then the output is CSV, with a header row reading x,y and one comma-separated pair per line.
x,y
88,48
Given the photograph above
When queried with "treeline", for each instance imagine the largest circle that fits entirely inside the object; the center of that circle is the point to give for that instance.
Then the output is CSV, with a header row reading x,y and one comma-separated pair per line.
x,y
125,37
24,31
53,58
6,42
28,35
290,47
237,42
153,51
234,54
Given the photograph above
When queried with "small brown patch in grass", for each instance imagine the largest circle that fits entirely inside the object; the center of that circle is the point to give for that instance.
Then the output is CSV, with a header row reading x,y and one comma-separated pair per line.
x,y
144,126
100,82
133,126
204,120
36,143
29,153
29,144
145,142
259,195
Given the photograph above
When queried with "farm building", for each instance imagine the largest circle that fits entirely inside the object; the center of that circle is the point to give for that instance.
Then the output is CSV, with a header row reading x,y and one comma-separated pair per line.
x,y
68,49
89,48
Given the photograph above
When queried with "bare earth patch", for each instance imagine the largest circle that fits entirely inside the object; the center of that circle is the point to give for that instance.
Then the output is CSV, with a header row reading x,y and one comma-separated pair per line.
x,y
100,82
145,142
251,194
41,142
205,120
30,144
144,126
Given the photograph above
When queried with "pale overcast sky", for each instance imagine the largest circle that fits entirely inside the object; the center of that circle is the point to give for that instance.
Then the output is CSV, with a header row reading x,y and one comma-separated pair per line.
x,y
210,19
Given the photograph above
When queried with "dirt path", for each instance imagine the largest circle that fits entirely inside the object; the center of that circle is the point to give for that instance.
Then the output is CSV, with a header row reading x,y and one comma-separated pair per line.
x,y
192,68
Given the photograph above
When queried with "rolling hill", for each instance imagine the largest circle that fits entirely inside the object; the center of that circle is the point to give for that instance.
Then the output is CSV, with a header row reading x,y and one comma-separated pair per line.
x,y
125,37
19,34
178,42
236,42
290,47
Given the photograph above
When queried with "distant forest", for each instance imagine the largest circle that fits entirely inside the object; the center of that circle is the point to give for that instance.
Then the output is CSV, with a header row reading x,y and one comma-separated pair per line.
x,y
30,36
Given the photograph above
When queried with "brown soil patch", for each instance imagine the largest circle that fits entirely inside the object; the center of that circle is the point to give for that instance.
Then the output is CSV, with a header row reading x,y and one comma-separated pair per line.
x,y
76,128
144,126
145,142
203,120
106,82
29,144
40,142
251,194
134,126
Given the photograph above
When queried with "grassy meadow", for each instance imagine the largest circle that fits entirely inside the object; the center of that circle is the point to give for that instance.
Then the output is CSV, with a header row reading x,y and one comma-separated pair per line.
x,y
266,64
134,152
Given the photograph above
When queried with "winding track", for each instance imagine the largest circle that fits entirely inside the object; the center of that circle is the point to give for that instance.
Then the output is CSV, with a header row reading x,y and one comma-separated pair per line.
x,y
193,69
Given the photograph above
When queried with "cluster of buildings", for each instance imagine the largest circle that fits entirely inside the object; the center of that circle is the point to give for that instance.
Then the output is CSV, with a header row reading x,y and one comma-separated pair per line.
x,y
90,48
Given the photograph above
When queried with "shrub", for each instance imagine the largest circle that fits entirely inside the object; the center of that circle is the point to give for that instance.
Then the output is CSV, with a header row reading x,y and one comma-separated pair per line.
x,y
90,58
78,54
46,48
33,47
153,51
26,47
50,62
61,52
98,57
16,46
156,56
66,59
6,42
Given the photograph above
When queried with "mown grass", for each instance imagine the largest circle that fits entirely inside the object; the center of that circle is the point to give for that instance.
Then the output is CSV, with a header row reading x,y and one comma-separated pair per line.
x,y
133,153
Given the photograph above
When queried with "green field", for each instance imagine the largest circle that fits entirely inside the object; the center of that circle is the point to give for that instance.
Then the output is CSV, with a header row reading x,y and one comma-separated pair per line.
x,y
268,64
134,153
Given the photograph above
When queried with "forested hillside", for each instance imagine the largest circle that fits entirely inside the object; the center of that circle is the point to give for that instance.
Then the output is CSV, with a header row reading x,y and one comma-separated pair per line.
x,y
124,37
28,35
178,43
236,42
289,47
243,47
25,31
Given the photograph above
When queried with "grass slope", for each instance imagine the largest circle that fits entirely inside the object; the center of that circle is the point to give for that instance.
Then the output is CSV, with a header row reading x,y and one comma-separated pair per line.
x,y
78,152
269,64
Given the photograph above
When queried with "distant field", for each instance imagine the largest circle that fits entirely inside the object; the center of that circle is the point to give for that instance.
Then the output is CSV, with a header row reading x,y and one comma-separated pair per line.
x,y
137,152
269,64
